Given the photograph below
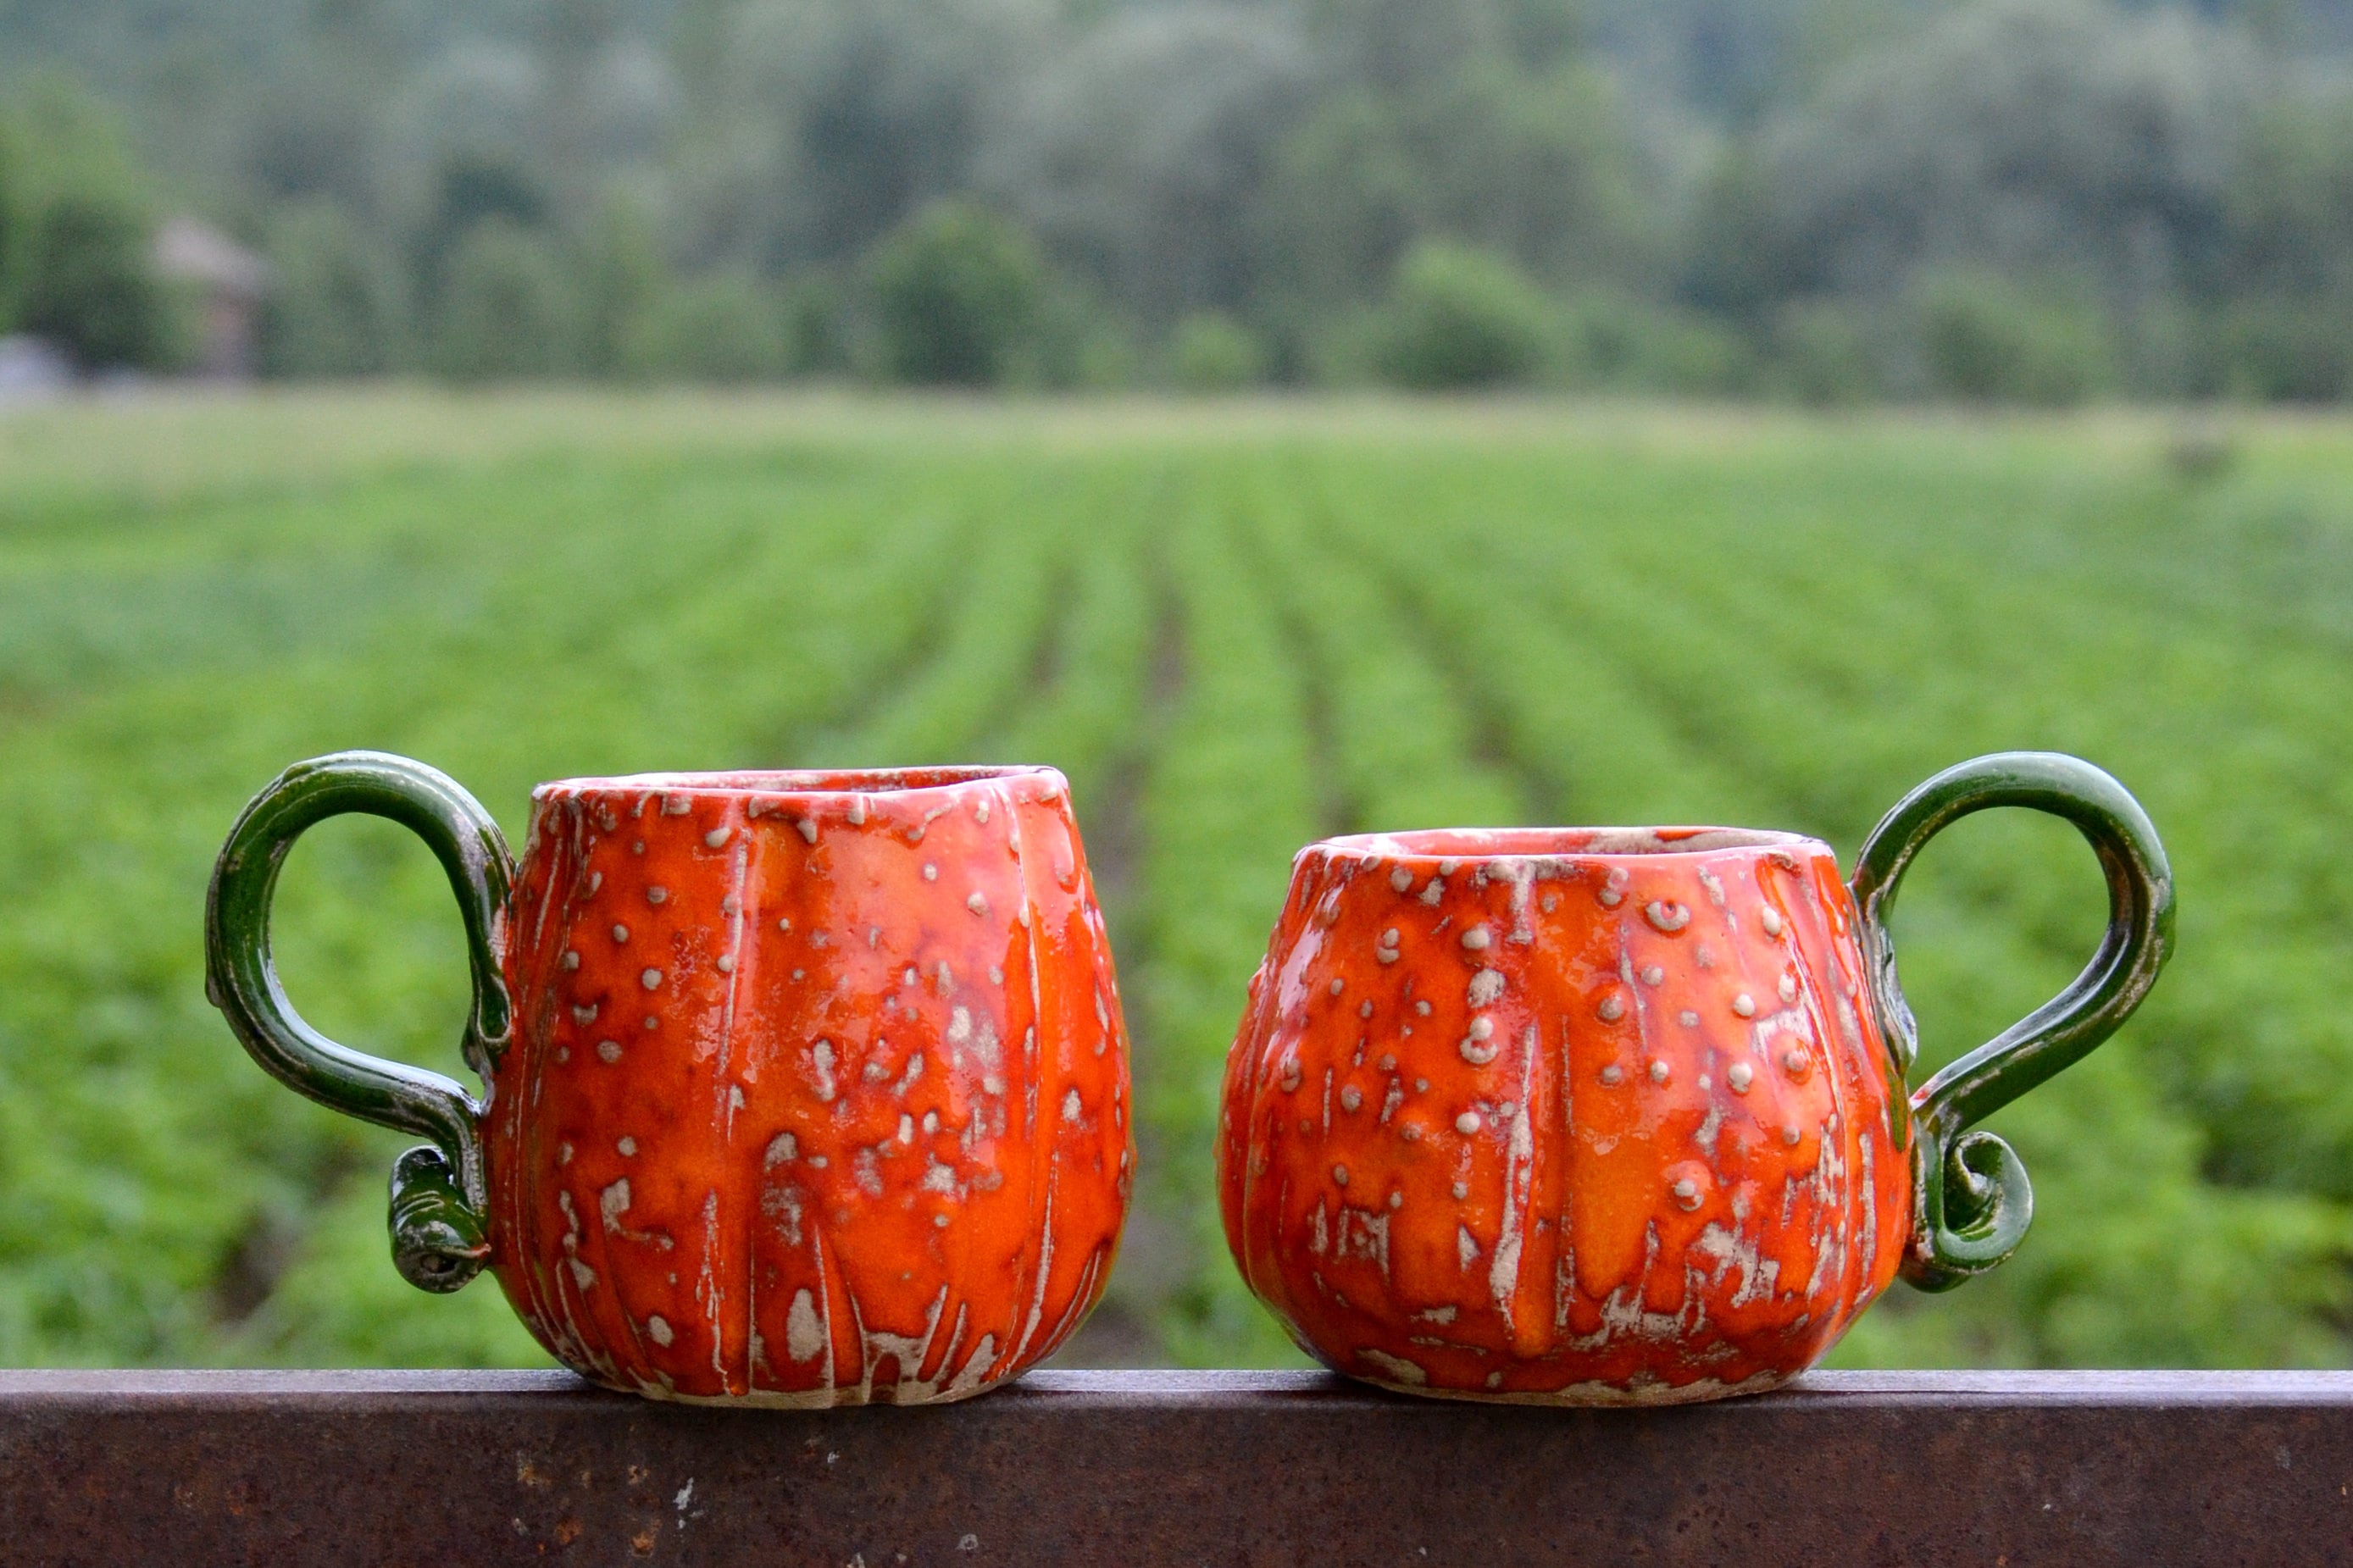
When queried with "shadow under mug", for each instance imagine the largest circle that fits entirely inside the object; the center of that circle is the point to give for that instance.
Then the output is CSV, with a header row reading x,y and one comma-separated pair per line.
x,y
1597,1116
802,1088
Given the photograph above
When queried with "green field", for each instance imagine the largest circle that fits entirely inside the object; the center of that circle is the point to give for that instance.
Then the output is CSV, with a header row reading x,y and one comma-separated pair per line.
x,y
1237,628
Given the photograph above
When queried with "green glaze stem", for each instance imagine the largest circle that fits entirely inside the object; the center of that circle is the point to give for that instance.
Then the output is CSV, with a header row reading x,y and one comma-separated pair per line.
x,y
1971,1199
441,1194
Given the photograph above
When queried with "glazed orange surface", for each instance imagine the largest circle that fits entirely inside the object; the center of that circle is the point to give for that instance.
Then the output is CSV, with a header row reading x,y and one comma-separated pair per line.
x,y
1514,1118
818,1094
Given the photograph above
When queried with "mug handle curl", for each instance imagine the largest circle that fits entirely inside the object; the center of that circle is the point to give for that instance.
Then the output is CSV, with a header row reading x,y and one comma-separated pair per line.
x,y
1971,1202
440,1191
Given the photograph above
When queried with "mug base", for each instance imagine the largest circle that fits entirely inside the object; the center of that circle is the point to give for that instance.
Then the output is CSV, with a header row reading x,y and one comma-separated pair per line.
x,y
802,1399
1594,1396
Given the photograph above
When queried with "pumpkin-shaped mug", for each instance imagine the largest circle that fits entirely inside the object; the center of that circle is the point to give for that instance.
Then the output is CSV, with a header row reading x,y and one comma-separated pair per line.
x,y
802,1088
1618,1116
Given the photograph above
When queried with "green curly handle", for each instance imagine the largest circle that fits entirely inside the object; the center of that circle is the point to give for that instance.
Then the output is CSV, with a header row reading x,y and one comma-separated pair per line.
x,y
1971,1202
440,1192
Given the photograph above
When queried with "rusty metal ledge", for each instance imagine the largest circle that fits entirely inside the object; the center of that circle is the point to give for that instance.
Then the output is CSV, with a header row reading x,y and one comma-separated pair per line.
x,y
2010,1469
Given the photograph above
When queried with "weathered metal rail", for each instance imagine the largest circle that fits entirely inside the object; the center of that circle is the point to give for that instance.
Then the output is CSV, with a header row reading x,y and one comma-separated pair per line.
x,y
1849,1469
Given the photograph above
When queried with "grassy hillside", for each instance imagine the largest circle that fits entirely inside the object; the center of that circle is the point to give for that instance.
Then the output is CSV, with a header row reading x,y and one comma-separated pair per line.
x,y
1236,626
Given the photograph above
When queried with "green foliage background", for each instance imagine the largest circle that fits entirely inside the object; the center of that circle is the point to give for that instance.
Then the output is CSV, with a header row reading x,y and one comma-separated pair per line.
x,y
1237,625
1981,201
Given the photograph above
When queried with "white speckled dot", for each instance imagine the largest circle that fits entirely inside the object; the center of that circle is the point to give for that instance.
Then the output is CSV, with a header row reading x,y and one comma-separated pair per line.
x,y
1739,1074
651,979
1789,988
628,1148
1745,1005
1476,939
1467,1124
1340,1174
571,958
1613,1075
1653,975
608,1050
1612,1008
1661,1071
620,934
1665,916
723,964
656,895
1687,1018
1770,919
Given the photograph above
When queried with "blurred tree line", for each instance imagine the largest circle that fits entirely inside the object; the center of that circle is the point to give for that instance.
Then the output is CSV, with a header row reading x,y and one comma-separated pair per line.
x,y
2038,200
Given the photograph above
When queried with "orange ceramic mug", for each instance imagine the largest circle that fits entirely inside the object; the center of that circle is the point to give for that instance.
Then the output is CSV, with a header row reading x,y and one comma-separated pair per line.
x,y
803,1089
1618,1116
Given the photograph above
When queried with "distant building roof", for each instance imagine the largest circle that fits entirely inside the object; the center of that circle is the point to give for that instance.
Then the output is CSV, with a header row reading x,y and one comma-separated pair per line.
x,y
30,370
193,252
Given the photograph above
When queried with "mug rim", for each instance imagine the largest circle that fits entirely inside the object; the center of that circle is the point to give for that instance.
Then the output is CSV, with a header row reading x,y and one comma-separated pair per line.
x,y
801,783
1488,846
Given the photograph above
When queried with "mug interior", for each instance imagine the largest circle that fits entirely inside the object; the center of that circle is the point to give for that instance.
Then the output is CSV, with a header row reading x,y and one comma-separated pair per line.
x,y
1496,843
803,782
